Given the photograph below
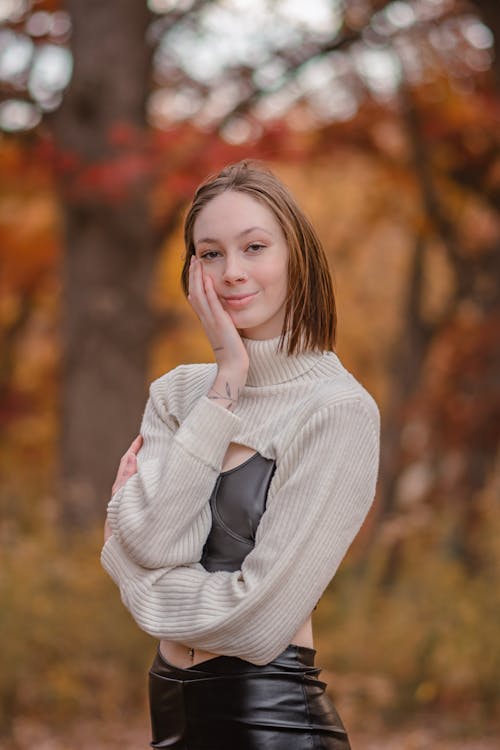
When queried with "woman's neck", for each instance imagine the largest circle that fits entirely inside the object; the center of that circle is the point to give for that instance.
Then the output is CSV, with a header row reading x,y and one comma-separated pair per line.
x,y
269,367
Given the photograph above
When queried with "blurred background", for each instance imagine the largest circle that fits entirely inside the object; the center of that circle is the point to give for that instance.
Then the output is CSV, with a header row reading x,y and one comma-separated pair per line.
x,y
383,118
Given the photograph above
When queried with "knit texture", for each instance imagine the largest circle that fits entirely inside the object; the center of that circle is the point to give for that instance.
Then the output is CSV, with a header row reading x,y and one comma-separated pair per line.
x,y
322,427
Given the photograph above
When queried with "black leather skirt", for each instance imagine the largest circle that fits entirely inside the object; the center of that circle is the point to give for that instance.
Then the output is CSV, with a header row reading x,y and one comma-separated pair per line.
x,y
227,703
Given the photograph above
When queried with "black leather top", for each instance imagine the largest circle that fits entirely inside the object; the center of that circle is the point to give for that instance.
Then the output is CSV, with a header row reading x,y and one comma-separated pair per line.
x,y
237,503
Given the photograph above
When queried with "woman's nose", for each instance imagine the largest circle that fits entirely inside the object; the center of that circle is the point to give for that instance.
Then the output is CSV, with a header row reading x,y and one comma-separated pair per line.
x,y
233,270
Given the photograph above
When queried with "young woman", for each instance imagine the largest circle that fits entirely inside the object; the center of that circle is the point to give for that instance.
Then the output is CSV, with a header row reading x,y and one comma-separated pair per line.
x,y
251,476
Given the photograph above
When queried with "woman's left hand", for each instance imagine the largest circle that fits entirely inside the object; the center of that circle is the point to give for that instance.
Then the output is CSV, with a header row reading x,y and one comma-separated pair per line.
x,y
127,468
128,464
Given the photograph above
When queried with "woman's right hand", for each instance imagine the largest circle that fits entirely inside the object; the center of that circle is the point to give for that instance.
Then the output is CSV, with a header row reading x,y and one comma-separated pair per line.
x,y
229,350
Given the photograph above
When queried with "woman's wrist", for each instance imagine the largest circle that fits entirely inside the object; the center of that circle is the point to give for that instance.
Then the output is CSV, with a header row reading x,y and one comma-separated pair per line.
x,y
226,388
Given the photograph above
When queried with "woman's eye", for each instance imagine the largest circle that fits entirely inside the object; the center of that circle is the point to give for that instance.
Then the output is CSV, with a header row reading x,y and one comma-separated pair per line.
x,y
209,255
255,246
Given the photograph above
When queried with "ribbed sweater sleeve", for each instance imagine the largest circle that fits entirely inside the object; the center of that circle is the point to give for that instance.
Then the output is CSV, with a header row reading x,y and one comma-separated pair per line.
x,y
324,486
161,516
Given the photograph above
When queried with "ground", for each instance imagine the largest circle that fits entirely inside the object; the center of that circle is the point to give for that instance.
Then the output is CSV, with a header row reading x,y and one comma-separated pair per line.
x,y
92,736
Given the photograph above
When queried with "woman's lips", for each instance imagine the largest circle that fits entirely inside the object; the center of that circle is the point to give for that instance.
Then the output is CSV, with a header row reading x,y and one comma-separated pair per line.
x,y
239,302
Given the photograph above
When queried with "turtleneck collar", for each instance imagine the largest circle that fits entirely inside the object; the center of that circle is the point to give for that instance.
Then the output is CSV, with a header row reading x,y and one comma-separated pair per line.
x,y
269,367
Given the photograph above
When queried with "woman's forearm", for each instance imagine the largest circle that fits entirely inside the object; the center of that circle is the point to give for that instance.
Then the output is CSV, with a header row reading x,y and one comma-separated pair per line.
x,y
162,514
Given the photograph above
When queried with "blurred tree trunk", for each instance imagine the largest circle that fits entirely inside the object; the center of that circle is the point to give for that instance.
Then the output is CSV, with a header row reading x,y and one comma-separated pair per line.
x,y
405,366
106,325
476,284
490,12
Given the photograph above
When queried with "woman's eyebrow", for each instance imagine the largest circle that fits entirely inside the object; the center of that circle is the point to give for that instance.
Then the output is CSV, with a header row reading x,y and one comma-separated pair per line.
x,y
252,229
241,234
208,240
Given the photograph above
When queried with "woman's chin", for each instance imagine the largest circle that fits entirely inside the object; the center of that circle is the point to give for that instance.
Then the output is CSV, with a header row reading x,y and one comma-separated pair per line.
x,y
251,327
258,333
241,318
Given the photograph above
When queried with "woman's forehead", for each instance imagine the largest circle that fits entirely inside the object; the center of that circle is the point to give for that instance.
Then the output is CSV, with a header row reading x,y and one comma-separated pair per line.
x,y
232,214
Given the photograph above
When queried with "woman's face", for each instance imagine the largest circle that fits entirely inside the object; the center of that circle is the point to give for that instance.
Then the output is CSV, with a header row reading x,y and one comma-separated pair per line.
x,y
243,249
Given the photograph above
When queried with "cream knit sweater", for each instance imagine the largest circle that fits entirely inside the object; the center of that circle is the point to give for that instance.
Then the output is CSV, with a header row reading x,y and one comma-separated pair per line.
x,y
322,427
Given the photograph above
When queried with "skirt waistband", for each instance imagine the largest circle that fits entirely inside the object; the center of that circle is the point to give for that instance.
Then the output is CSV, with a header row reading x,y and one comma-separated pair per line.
x,y
227,702
293,658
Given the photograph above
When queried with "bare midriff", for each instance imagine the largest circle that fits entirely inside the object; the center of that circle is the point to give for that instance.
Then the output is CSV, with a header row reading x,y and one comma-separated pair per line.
x,y
183,656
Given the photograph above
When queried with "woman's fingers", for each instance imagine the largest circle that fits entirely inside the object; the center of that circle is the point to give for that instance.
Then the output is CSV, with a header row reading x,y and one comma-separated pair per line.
x,y
197,293
107,530
136,443
128,464
200,303
206,303
132,450
214,302
124,473
194,290
199,286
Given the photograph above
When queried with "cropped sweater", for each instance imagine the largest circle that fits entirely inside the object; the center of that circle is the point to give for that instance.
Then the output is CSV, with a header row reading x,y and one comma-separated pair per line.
x,y
320,425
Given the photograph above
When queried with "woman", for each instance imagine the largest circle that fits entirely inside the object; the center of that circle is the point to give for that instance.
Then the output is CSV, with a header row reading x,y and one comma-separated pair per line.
x,y
251,476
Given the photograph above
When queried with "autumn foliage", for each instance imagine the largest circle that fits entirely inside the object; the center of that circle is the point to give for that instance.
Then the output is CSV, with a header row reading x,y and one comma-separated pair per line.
x,y
405,195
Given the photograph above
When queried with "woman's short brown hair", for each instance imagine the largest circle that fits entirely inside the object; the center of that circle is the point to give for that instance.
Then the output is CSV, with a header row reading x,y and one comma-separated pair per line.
x,y
310,312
